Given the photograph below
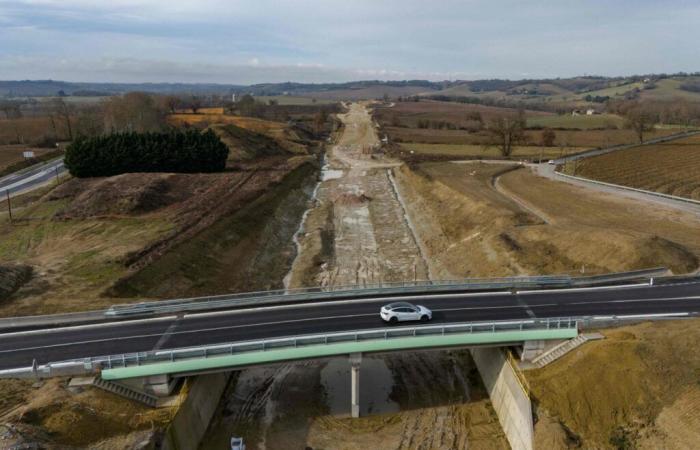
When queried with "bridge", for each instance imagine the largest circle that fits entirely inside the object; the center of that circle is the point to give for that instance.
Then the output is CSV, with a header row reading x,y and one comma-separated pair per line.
x,y
147,345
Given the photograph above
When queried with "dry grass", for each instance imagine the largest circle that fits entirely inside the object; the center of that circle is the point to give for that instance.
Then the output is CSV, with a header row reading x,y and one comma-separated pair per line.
x,y
670,168
640,382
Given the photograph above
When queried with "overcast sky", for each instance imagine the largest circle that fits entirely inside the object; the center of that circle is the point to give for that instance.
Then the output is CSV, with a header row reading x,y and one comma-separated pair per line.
x,y
254,41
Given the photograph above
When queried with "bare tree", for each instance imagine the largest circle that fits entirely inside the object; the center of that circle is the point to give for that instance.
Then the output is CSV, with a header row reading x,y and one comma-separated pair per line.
x,y
63,111
506,131
641,120
548,137
170,103
134,111
195,104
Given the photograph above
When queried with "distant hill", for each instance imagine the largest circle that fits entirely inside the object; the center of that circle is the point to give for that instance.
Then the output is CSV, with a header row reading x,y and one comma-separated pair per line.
x,y
555,90
48,88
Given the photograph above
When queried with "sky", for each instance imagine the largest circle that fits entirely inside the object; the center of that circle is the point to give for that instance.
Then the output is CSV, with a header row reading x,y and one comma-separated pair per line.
x,y
258,41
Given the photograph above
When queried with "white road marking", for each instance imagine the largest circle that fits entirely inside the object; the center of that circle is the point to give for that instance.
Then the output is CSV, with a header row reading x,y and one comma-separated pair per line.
x,y
86,327
633,300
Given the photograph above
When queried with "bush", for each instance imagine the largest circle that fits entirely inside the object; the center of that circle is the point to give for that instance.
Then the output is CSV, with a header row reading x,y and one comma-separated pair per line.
x,y
189,152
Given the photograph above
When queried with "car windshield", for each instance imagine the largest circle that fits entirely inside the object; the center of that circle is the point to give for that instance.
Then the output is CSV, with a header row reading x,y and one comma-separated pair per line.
x,y
400,305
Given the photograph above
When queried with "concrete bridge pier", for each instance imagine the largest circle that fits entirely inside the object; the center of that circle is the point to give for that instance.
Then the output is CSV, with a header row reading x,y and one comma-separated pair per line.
x,y
355,360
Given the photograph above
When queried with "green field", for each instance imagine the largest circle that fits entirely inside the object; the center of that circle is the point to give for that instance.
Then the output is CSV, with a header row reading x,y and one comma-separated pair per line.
x,y
479,151
582,122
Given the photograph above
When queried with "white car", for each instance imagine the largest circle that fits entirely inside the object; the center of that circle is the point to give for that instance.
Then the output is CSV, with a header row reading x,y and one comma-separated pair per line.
x,y
237,443
402,311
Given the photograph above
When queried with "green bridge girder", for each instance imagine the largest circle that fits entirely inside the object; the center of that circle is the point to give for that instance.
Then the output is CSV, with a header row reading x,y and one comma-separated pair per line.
x,y
249,358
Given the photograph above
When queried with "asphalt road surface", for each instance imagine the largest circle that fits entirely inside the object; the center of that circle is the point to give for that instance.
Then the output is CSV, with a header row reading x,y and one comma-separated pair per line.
x,y
33,178
19,349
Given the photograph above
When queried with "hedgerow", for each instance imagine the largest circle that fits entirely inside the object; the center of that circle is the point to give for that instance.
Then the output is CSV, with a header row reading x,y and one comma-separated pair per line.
x,y
176,151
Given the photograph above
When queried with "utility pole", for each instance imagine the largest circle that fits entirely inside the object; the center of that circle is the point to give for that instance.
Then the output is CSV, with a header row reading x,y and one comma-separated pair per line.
x,y
9,204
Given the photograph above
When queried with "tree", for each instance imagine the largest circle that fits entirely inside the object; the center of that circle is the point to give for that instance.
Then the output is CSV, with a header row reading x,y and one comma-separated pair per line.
x,y
176,151
195,103
506,131
548,137
170,103
63,111
641,120
134,111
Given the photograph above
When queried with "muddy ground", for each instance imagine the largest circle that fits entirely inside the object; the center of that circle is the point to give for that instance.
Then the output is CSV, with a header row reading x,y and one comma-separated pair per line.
x,y
288,406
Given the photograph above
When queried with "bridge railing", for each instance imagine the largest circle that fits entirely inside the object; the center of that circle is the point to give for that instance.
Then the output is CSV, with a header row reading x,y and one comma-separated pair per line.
x,y
261,298
95,364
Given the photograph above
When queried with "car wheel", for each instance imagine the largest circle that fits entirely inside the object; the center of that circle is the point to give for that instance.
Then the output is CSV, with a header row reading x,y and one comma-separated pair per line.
x,y
424,318
394,319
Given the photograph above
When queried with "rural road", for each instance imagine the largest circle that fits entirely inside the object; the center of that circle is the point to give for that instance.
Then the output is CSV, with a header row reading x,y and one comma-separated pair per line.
x,y
19,349
35,177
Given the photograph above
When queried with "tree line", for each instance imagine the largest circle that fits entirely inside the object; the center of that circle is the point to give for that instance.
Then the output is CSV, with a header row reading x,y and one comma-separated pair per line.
x,y
187,151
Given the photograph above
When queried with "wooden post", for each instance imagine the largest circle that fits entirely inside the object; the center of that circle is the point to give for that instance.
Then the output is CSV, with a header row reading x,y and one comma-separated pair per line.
x,y
9,204
56,169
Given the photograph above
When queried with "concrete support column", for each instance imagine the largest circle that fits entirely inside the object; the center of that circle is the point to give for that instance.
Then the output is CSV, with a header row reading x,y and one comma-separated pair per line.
x,y
355,360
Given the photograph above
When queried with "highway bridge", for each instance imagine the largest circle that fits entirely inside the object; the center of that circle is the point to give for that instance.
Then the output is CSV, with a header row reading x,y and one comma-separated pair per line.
x,y
37,347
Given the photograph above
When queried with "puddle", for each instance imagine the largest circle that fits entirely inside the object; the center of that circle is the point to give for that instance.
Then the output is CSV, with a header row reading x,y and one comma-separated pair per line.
x,y
376,383
331,174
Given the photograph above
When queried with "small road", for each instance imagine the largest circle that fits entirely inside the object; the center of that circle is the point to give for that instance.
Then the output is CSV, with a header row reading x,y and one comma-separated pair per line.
x,y
20,349
32,178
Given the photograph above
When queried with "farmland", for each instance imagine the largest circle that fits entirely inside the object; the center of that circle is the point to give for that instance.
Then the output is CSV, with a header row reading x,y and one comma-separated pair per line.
x,y
582,122
471,151
451,123
669,168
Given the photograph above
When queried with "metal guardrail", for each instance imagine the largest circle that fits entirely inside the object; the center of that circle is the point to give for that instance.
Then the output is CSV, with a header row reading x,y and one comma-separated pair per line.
x,y
627,188
95,364
385,289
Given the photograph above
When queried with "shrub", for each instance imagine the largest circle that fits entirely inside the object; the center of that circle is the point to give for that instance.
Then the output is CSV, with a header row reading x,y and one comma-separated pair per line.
x,y
189,152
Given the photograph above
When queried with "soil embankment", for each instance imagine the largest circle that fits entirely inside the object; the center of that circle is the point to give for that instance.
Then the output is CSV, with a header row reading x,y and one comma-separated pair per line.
x,y
644,395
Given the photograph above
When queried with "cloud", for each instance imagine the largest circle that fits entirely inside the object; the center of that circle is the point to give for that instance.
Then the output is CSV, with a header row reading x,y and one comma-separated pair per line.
x,y
305,40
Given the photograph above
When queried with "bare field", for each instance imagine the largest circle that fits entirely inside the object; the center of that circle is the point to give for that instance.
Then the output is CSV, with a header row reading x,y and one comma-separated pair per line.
x,y
408,114
566,138
670,168
513,222
11,154
638,386
582,122
479,151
